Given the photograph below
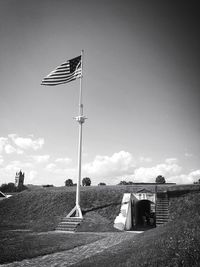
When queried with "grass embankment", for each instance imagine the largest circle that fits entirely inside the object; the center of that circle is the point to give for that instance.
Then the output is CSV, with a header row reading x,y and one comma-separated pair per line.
x,y
42,209
176,243
16,246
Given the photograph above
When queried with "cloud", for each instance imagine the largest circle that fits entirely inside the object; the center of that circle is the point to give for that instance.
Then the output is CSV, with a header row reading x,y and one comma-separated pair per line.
x,y
15,144
27,142
3,142
41,158
1,160
189,178
120,163
167,169
16,165
30,177
102,167
70,172
195,174
9,149
63,160
51,167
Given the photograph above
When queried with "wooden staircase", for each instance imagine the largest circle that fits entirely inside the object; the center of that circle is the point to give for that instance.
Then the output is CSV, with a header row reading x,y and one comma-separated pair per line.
x,y
162,209
69,224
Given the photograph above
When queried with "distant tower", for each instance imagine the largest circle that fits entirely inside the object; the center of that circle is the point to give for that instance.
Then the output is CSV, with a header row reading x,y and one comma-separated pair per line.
x,y
19,179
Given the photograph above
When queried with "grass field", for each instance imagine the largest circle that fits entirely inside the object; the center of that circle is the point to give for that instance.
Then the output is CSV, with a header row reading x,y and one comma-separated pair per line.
x,y
16,245
175,244
42,209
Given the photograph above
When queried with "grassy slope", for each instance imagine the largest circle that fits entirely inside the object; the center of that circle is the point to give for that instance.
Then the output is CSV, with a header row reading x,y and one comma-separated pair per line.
x,y
42,209
16,246
175,244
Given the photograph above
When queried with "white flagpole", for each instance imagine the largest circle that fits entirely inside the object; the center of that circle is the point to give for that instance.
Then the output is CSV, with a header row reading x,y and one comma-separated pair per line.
x,y
80,119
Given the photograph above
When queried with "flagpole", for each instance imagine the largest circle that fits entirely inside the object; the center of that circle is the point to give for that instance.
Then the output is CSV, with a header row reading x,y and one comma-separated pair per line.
x,y
80,119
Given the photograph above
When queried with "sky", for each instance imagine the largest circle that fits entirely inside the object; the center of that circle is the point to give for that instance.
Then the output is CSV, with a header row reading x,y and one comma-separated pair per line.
x,y
141,77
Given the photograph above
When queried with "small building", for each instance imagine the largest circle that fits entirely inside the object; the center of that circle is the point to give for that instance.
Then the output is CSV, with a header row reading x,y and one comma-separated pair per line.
x,y
137,210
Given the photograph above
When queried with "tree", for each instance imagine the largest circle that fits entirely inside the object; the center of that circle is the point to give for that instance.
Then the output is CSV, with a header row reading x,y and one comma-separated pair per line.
x,y
122,183
160,179
101,184
86,181
69,182
126,183
8,188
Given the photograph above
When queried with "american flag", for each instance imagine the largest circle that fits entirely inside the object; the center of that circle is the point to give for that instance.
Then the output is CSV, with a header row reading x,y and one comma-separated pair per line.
x,y
66,72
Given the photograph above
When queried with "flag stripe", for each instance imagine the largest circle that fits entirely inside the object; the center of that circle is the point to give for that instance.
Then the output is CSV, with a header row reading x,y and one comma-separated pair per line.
x,y
54,80
61,77
66,72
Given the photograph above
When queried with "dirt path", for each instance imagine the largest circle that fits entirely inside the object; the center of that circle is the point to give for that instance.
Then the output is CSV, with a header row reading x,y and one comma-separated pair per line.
x,y
72,256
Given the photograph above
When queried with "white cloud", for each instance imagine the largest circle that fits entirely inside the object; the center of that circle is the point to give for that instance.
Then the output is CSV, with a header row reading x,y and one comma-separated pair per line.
x,y
30,177
195,174
27,142
120,163
41,158
1,160
189,178
62,173
19,151
9,149
63,160
51,167
3,142
16,165
167,169
103,167
69,172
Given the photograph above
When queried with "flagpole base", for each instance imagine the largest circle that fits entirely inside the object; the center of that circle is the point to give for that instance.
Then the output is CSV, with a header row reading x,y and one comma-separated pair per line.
x,y
75,212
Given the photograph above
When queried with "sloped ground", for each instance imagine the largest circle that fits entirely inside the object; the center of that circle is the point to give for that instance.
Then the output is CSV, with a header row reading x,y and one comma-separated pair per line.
x,y
74,255
42,209
16,246
175,244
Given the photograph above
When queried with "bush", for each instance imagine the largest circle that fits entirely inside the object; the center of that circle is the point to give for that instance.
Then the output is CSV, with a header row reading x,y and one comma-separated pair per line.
x,y
101,184
126,183
86,181
8,188
160,179
69,182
